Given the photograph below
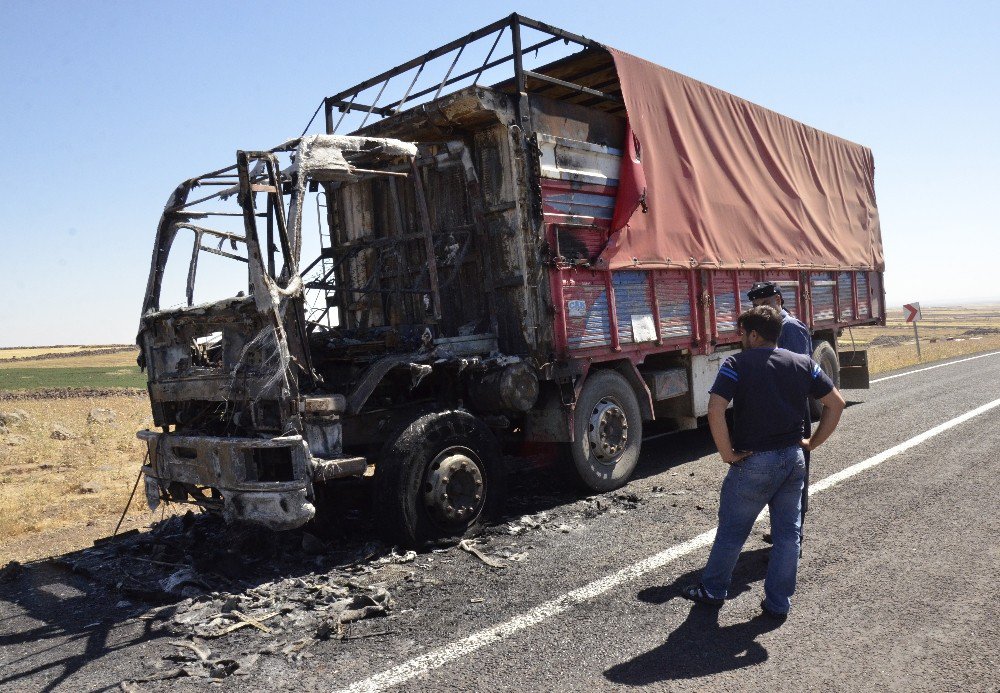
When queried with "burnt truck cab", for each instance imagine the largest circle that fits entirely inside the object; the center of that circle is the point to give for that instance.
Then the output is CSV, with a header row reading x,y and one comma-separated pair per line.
x,y
533,269
255,396
247,427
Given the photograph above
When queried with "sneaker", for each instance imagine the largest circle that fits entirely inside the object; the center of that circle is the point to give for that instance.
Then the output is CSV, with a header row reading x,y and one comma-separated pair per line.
x,y
697,593
776,615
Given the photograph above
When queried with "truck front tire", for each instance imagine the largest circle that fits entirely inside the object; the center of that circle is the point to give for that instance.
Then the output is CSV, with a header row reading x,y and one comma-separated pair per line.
x,y
437,479
607,427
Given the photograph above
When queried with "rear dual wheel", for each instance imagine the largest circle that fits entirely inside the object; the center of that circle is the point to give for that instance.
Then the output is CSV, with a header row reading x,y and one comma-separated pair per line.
x,y
826,357
607,427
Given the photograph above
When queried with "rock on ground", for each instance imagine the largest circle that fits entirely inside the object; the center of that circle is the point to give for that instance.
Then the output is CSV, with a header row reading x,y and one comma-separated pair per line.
x,y
60,432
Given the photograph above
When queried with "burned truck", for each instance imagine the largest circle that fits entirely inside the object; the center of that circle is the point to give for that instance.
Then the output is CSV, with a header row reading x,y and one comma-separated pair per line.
x,y
540,267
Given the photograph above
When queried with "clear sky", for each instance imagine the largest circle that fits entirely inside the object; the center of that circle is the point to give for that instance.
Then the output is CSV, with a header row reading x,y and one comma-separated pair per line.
x,y
106,106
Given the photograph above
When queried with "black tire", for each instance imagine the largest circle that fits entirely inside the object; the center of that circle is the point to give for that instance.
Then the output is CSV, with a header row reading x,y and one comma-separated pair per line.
x,y
439,461
607,406
827,359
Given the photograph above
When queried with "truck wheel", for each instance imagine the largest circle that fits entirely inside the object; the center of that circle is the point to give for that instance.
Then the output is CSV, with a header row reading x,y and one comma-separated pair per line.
x,y
438,479
607,426
826,357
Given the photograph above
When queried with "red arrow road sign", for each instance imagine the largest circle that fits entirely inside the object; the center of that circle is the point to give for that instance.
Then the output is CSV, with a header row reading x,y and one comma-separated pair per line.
x,y
912,312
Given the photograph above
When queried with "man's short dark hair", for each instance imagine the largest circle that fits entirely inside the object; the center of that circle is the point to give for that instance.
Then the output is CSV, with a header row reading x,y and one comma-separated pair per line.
x,y
765,320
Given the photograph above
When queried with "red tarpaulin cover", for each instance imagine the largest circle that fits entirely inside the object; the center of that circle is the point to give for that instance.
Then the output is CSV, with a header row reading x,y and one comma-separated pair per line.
x,y
732,185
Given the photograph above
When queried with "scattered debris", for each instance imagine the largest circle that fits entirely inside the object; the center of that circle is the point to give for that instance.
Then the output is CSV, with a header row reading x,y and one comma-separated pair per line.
x,y
201,665
393,557
470,546
247,621
509,555
185,577
527,522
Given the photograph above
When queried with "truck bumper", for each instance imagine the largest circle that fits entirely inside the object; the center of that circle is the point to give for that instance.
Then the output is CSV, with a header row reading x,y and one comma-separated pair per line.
x,y
265,482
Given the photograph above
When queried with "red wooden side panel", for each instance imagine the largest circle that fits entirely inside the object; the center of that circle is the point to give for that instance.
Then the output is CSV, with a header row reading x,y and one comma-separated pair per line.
x,y
634,307
864,296
746,280
788,282
845,295
585,302
724,284
673,299
822,286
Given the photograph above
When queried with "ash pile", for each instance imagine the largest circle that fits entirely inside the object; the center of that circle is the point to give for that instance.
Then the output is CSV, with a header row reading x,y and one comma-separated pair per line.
x,y
232,595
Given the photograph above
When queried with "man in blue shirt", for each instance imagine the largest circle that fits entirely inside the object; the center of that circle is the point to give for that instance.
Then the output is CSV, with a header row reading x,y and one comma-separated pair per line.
x,y
795,337
768,388
794,334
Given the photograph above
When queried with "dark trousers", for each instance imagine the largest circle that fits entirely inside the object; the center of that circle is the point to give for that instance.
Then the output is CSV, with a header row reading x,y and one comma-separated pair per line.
x,y
805,486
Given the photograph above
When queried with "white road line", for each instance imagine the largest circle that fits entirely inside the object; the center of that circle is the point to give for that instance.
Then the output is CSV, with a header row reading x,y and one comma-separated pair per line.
x,y
930,368
455,650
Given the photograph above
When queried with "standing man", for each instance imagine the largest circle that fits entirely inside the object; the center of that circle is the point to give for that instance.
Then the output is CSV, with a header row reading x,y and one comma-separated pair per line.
x,y
769,388
794,334
794,337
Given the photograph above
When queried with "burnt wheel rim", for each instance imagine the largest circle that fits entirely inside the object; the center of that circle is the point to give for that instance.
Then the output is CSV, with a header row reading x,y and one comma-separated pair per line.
x,y
607,431
454,487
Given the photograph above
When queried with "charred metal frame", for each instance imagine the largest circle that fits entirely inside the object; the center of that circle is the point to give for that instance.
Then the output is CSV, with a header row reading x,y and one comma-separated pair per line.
x,y
346,101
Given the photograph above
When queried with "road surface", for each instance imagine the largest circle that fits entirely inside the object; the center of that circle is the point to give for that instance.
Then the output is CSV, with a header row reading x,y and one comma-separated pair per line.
x,y
896,588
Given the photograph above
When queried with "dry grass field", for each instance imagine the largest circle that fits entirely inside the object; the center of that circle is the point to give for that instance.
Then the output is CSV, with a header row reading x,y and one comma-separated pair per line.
x,y
63,350
945,332
117,359
58,494
80,479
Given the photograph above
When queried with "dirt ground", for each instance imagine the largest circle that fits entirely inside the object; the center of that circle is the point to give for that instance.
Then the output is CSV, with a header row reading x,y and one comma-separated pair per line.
x,y
67,467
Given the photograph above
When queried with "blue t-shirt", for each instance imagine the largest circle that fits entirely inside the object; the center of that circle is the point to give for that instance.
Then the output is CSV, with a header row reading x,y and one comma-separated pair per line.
x,y
794,335
769,389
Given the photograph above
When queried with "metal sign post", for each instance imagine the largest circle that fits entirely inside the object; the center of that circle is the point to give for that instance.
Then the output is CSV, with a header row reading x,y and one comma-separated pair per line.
x,y
913,315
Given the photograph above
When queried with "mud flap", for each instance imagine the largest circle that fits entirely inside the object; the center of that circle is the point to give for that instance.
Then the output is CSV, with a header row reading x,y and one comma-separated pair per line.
x,y
854,370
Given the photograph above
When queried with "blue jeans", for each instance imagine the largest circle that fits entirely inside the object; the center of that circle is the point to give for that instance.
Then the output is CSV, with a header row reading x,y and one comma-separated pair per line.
x,y
774,478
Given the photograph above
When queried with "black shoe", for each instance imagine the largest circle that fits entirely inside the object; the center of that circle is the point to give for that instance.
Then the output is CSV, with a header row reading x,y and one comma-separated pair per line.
x,y
697,593
776,615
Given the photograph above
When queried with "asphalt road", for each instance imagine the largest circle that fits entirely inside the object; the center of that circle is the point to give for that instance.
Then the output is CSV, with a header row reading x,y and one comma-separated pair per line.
x,y
896,589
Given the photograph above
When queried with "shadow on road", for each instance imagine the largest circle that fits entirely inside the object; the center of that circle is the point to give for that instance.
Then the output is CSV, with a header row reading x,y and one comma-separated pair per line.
x,y
549,482
60,624
700,646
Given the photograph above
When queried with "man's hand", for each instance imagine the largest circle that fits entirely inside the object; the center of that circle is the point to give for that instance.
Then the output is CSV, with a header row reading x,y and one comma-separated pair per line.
x,y
833,406
720,431
733,457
